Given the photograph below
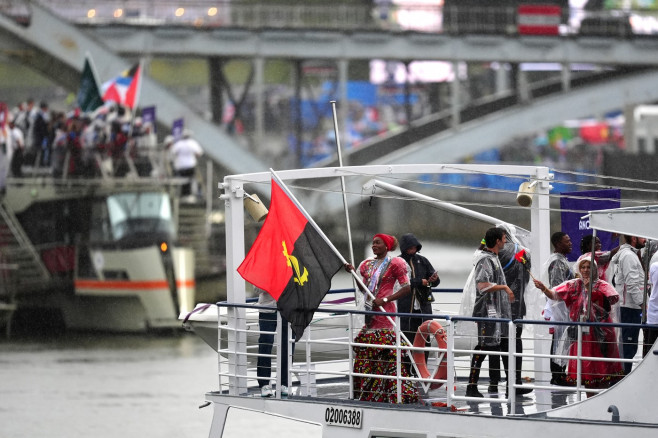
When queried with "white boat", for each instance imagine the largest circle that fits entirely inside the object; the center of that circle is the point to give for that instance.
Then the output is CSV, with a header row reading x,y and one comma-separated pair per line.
x,y
321,402
115,262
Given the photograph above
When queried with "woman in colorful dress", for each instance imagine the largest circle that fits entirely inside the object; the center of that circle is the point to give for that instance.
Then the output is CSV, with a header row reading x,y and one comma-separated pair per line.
x,y
380,275
598,341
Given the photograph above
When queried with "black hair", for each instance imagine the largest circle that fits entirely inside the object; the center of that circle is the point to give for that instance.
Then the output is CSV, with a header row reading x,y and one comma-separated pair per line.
x,y
556,237
586,244
492,236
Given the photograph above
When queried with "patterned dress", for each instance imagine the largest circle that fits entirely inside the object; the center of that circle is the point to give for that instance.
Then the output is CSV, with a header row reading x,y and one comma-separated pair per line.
x,y
381,276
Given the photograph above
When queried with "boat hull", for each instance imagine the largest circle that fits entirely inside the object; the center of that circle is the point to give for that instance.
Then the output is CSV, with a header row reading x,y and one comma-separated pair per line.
x,y
395,420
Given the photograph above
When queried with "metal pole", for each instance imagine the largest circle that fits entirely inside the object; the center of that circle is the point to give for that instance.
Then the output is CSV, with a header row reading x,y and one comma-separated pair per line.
x,y
591,275
342,186
355,276
646,261
209,196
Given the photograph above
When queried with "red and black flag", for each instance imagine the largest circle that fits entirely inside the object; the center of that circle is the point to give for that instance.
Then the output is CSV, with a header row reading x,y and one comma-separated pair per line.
x,y
292,260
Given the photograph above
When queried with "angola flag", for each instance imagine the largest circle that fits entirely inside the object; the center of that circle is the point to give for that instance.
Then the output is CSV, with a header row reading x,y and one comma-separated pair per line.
x,y
89,97
291,260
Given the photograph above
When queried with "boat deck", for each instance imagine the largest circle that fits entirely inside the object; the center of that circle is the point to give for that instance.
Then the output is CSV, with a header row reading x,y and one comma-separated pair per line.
x,y
322,367
539,400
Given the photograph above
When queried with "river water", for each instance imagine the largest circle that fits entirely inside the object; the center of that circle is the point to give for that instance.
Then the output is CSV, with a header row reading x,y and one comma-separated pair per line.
x,y
107,386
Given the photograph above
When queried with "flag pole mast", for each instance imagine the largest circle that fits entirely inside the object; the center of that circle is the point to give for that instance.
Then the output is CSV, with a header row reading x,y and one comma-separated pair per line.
x,y
308,217
342,186
133,110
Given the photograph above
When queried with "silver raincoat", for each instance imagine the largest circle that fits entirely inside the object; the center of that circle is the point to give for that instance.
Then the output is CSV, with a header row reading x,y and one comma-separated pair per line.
x,y
478,301
557,271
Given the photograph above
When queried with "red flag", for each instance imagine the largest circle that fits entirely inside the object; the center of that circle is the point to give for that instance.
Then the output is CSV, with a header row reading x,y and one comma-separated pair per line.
x,y
595,133
520,256
291,260
124,89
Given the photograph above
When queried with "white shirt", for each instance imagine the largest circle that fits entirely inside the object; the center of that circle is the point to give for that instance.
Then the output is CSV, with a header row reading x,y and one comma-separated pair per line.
x,y
652,306
184,153
15,140
265,299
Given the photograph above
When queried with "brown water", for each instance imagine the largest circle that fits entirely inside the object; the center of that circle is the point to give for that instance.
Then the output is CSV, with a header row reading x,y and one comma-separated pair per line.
x,y
106,386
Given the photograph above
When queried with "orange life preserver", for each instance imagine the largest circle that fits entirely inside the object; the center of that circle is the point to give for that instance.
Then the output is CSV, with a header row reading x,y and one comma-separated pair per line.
x,y
427,329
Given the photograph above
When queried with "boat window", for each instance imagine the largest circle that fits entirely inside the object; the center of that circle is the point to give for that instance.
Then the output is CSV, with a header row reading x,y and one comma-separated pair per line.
x,y
133,215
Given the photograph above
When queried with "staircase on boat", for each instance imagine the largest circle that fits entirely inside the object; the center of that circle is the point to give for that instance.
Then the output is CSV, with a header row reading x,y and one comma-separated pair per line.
x,y
195,231
17,254
18,249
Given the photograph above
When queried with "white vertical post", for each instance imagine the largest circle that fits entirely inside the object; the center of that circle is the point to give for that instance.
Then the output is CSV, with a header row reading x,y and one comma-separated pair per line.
x,y
235,286
511,364
540,227
450,357
455,96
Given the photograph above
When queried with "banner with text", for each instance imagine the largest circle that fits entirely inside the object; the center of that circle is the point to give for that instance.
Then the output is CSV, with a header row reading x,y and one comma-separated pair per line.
x,y
575,205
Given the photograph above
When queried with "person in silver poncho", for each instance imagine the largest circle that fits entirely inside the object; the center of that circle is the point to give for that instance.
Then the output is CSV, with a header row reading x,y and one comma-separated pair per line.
x,y
492,300
558,270
516,263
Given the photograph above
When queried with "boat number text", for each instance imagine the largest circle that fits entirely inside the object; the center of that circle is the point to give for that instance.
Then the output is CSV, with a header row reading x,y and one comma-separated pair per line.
x,y
344,417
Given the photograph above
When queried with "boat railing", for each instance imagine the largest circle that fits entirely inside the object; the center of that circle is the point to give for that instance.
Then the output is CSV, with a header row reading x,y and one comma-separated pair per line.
x,y
325,354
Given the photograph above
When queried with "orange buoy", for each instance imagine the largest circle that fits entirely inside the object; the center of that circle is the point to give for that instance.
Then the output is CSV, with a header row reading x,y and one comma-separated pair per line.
x,y
427,329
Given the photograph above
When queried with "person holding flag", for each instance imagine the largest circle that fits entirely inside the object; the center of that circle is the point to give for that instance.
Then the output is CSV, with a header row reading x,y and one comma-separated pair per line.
x,y
292,262
587,303
291,259
380,275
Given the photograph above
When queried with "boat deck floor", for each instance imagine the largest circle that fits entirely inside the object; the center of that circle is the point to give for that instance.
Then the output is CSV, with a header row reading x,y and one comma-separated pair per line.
x,y
539,400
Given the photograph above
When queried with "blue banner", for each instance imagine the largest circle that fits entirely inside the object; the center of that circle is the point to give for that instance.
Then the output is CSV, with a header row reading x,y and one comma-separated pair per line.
x,y
575,205
148,117
177,129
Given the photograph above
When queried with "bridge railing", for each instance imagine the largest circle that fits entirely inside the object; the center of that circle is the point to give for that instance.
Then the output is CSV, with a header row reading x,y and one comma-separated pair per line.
x,y
508,19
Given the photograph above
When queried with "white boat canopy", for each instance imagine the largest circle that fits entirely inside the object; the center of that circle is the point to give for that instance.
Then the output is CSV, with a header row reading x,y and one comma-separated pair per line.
x,y
634,221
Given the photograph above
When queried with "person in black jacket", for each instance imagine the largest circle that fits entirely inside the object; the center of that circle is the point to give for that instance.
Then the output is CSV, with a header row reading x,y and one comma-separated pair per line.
x,y
423,277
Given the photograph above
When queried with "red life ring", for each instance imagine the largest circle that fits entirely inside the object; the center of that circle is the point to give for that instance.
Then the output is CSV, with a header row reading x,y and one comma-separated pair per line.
x,y
427,329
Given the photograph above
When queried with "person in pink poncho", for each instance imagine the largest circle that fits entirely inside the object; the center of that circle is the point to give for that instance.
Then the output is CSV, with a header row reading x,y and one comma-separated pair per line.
x,y
597,341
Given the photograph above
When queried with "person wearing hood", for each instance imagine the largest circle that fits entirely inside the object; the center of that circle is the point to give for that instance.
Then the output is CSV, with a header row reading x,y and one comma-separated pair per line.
x,y
422,277
597,341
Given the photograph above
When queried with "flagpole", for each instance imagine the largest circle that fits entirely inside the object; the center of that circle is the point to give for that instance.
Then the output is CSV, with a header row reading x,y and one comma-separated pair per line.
x,y
362,285
133,110
342,186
